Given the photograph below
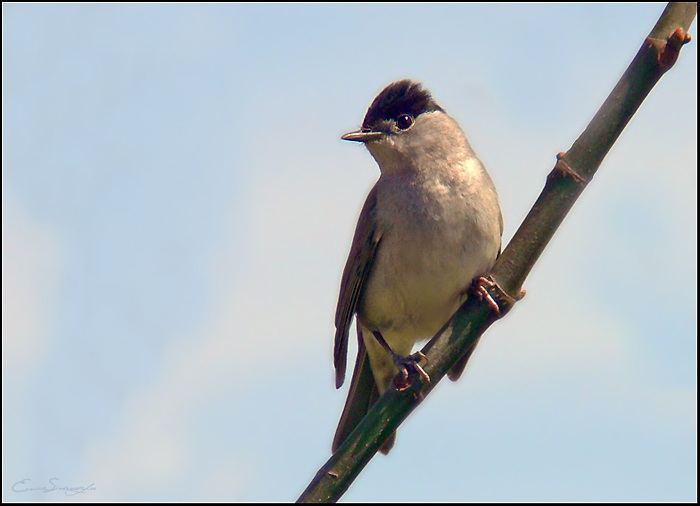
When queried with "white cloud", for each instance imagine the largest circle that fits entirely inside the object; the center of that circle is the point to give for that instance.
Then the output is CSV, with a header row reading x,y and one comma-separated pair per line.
x,y
275,294
30,259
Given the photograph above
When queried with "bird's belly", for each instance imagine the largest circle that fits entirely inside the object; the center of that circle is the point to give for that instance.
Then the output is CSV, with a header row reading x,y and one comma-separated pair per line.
x,y
410,295
434,241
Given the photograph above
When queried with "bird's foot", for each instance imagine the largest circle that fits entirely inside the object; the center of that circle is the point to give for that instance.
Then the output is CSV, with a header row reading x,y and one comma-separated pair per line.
x,y
480,288
409,367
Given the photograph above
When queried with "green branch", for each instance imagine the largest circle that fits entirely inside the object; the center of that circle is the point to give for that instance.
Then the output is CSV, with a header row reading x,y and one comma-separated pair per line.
x,y
572,172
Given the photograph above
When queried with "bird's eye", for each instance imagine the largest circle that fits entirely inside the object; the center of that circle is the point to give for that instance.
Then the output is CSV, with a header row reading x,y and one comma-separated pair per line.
x,y
404,121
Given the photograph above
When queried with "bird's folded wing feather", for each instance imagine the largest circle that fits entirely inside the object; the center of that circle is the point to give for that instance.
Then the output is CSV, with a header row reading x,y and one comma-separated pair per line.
x,y
362,253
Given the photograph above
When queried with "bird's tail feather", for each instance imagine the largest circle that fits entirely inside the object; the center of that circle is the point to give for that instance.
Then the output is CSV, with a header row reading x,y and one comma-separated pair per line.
x,y
362,395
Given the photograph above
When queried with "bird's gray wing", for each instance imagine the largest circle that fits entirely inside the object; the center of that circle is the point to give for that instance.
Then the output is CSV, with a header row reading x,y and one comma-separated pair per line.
x,y
500,226
364,248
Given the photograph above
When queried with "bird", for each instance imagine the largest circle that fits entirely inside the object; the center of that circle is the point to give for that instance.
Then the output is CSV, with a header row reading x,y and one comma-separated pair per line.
x,y
430,228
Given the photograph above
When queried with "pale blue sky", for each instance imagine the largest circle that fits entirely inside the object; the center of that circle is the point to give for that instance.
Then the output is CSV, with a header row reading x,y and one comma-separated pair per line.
x,y
177,211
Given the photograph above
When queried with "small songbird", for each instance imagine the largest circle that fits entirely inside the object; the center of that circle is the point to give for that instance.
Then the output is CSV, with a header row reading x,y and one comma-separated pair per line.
x,y
430,226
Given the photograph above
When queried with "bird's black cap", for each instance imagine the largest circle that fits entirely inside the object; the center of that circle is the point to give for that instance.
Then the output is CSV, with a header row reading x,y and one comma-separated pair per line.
x,y
402,97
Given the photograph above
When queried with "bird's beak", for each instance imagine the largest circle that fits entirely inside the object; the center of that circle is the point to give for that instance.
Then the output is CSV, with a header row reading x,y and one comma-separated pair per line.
x,y
363,136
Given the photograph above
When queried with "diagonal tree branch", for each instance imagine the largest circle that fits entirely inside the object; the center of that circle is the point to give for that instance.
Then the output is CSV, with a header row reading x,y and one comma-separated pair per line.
x,y
572,172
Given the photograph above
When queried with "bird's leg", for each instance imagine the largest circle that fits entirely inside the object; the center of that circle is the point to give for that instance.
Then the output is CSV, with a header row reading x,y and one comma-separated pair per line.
x,y
406,365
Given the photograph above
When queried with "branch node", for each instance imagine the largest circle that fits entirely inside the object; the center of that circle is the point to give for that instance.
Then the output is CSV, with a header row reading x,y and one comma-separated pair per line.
x,y
504,298
667,50
563,169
